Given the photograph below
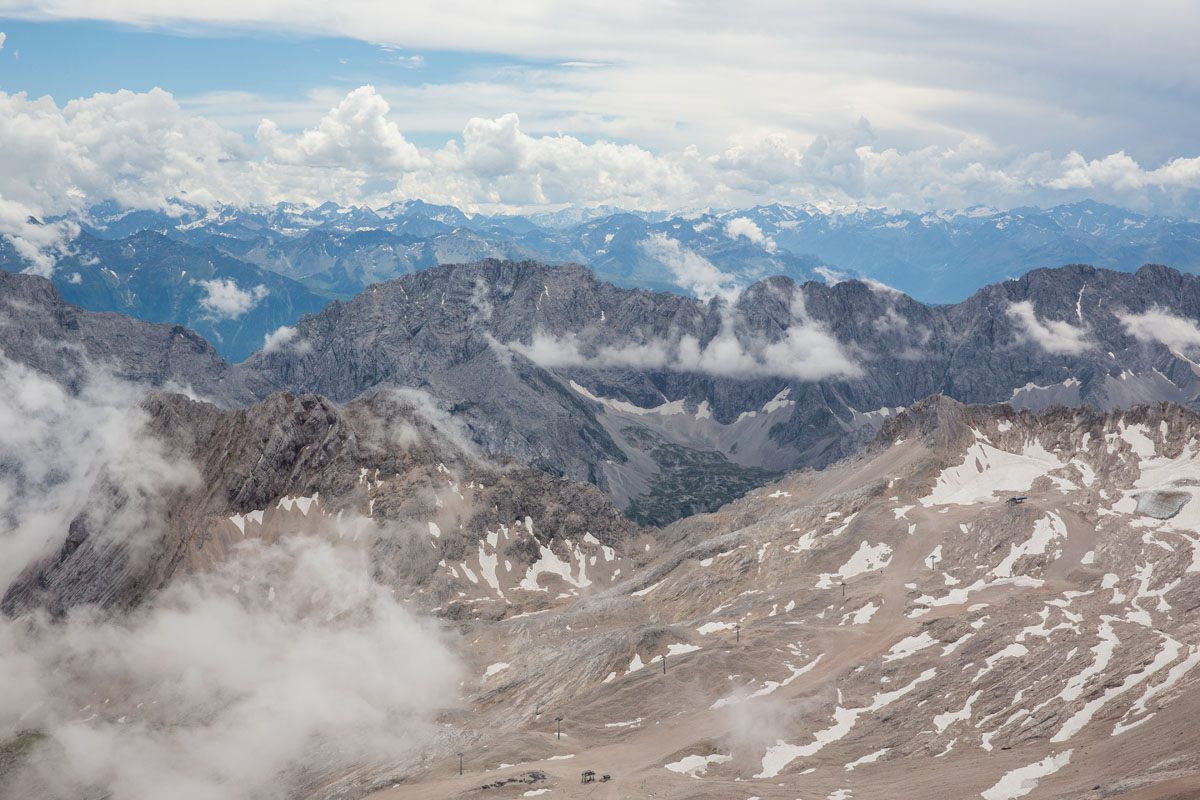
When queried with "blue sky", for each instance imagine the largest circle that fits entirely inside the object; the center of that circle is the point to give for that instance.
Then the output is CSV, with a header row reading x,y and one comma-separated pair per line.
x,y
76,58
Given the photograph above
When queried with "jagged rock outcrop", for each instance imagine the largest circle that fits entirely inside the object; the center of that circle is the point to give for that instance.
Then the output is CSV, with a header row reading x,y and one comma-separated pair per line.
x,y
553,367
384,459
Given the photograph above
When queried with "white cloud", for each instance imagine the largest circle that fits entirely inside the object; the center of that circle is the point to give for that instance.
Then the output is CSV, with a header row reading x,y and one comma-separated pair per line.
x,y
900,65
1053,336
742,226
286,658
832,276
806,350
224,300
691,271
3,38
61,450
284,338
554,352
229,683
1158,325
38,244
144,150
356,134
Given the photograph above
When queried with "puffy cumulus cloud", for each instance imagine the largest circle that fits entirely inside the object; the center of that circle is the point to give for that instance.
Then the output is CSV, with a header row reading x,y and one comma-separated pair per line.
x,y
285,338
494,147
223,299
139,149
1032,94
356,134
691,271
805,350
902,64
3,39
143,150
748,228
1158,325
851,169
1053,336
499,164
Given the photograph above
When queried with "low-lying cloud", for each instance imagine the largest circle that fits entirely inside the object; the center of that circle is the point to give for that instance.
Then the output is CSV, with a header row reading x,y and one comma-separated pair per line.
x,y
806,350
284,662
748,228
1053,336
1161,326
69,456
285,338
692,271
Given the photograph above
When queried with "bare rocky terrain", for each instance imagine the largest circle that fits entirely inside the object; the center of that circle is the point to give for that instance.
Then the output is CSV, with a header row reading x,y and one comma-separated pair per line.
x,y
899,625
983,603
974,601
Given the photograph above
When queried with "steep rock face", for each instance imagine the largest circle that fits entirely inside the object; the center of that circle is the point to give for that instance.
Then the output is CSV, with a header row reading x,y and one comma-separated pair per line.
x,y
383,466
41,330
428,331
561,371
1111,369
553,367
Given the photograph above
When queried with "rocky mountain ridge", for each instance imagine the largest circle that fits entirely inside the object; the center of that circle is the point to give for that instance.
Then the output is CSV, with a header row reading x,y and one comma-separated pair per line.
x,y
938,257
652,395
575,376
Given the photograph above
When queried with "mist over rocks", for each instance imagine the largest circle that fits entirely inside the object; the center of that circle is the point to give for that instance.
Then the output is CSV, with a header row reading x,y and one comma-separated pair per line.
x,y
551,366
208,580
384,525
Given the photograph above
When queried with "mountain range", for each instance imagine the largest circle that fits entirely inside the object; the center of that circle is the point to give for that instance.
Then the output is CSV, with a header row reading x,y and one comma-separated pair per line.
x,y
207,268
776,541
669,404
